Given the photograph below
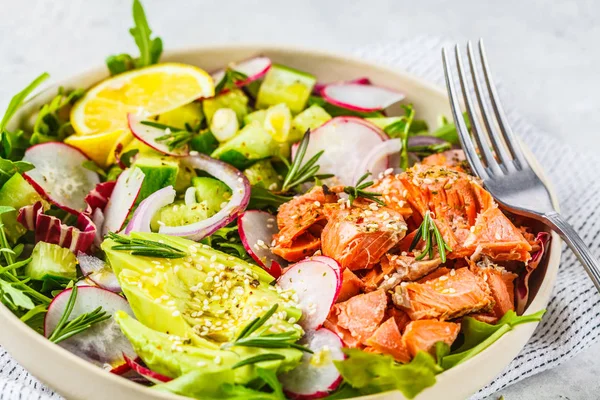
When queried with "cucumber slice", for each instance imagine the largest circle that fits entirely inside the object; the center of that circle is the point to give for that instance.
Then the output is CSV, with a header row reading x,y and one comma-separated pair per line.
x,y
188,115
251,144
211,192
51,261
16,193
234,99
311,118
285,85
262,174
179,213
258,116
159,172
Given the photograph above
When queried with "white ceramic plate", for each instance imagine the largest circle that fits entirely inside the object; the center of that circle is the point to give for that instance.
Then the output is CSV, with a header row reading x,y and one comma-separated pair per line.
x,y
76,379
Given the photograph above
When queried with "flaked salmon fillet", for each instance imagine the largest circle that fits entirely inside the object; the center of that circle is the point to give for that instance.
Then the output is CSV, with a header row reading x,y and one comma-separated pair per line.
x,y
361,315
406,268
358,236
300,222
465,214
387,339
449,296
351,285
422,335
393,194
454,159
502,288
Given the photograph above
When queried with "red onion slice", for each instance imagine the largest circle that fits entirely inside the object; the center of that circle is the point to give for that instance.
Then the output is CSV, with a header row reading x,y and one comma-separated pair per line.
x,y
240,196
140,221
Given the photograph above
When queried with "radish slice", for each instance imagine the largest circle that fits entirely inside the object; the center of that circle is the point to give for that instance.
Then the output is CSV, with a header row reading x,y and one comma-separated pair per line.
x,y
103,344
59,175
317,286
148,135
98,272
98,220
240,196
316,375
122,199
358,97
332,263
146,372
372,162
256,232
360,81
254,68
344,140
140,221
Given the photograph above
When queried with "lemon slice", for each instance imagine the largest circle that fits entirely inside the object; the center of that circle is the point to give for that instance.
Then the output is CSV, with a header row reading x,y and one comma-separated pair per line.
x,y
146,91
100,147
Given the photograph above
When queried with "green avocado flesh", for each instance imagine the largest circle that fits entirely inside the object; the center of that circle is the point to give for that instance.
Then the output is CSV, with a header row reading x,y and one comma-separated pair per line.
x,y
189,307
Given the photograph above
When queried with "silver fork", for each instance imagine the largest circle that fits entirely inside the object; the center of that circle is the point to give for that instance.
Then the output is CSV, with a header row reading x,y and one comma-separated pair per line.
x,y
505,171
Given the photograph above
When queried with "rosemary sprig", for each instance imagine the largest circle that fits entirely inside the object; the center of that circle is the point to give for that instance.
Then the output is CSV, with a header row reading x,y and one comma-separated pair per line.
x,y
427,150
174,138
230,79
428,231
65,328
298,173
257,359
147,248
283,340
356,191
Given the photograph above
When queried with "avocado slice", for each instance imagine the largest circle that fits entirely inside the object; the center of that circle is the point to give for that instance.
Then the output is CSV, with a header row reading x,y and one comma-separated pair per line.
x,y
189,307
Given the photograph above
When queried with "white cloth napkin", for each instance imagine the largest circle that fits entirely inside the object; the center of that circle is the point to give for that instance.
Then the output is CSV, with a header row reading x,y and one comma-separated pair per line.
x,y
572,321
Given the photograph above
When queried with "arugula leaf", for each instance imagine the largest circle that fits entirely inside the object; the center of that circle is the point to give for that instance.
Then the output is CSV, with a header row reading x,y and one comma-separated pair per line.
x,y
480,335
150,48
447,130
229,80
14,298
19,98
401,129
227,240
92,166
52,122
374,373
9,168
261,198
270,379
200,384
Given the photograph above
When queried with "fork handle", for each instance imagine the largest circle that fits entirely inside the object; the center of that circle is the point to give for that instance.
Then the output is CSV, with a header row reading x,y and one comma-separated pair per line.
x,y
577,245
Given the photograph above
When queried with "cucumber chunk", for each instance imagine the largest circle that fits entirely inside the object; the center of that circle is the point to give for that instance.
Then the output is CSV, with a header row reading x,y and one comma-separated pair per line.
x,y
311,118
159,172
51,261
262,174
285,85
258,116
251,144
234,99
179,213
16,193
211,192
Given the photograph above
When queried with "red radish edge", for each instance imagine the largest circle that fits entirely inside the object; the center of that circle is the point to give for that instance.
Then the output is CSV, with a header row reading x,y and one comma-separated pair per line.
x,y
360,81
101,344
351,150
308,381
91,176
218,75
334,94
317,289
142,217
148,134
146,372
249,224
122,200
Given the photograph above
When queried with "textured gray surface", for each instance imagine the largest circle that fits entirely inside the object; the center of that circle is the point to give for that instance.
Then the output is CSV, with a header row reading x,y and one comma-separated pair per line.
x,y
545,53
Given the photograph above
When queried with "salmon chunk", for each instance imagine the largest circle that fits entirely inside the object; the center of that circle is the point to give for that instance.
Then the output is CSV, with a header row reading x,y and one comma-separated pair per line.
x,y
351,286
393,194
449,296
358,236
407,268
300,222
422,335
502,288
362,314
387,339
455,159
465,213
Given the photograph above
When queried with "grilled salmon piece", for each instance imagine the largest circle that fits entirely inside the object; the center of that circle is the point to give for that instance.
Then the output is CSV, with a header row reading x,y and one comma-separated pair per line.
x,y
449,296
465,214
351,286
406,268
301,247
331,323
454,159
303,214
362,314
387,339
358,236
393,194
422,335
402,319
501,284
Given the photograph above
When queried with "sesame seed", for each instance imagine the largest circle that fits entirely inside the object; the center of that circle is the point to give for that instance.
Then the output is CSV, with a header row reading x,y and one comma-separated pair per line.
x,y
452,272
176,313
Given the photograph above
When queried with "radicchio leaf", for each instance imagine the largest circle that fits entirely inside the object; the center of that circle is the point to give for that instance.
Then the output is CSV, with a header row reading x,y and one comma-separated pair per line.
x,y
522,282
98,197
50,229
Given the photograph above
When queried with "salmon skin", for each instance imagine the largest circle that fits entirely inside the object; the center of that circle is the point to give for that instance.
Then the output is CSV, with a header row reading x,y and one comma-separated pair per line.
x,y
358,236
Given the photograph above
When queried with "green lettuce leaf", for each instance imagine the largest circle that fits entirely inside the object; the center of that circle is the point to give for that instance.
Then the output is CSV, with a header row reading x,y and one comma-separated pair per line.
x,y
374,373
480,335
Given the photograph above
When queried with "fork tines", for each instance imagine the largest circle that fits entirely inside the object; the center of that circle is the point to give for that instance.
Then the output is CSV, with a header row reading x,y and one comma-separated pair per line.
x,y
507,155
